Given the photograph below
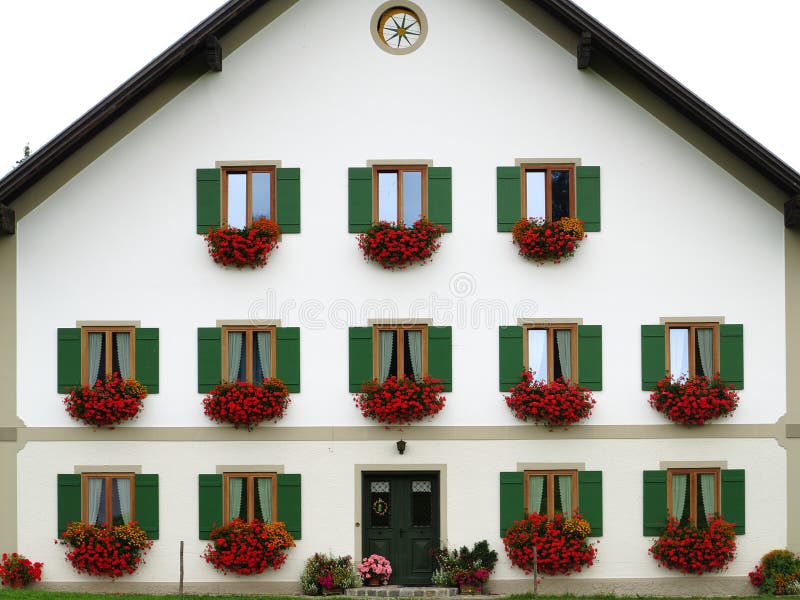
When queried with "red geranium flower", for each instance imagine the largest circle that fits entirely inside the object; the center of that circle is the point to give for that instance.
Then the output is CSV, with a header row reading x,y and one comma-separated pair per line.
x,y
695,400
247,404
106,402
691,550
243,247
395,246
542,241
556,403
400,401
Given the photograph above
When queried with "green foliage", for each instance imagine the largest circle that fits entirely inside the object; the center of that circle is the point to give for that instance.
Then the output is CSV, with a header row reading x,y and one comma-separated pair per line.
x,y
781,570
325,571
452,562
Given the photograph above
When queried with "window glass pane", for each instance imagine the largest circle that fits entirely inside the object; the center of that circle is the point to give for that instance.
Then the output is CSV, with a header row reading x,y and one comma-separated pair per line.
x,y
387,196
122,354
387,354
96,502
563,492
262,501
237,200
412,197
535,194
96,357
261,355
562,354
237,356
704,351
412,363
237,498
421,504
559,194
706,497
380,504
537,494
537,353
120,500
679,352
261,194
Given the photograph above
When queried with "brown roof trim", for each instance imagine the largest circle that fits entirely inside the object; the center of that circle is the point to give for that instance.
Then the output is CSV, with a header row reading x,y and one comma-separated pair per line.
x,y
118,102
675,94
125,96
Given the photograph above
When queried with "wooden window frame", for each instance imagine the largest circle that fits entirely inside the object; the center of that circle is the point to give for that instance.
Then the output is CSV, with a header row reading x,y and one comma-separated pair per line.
x,y
551,489
108,483
250,477
248,171
399,169
400,355
551,329
692,327
548,192
692,473
248,330
108,331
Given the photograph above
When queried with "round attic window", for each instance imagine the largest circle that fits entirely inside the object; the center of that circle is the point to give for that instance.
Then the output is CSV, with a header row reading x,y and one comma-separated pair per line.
x,y
399,28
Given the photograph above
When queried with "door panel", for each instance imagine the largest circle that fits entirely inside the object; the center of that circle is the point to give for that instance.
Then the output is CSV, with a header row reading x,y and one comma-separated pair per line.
x,y
400,512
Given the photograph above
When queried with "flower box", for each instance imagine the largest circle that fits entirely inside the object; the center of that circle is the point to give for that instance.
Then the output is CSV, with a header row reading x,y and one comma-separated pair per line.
x,y
561,546
556,403
685,548
105,551
695,400
106,403
245,404
547,241
395,246
400,401
248,247
248,548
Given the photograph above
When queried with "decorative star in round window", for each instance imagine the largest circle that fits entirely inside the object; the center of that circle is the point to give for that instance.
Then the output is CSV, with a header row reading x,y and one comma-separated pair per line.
x,y
399,29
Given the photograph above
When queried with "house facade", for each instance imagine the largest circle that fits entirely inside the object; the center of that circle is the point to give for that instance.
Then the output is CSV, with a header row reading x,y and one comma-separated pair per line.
x,y
690,264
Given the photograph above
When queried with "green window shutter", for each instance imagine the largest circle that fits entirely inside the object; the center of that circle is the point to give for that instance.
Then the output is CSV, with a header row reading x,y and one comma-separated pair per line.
x,y
440,196
731,355
440,355
732,493
359,199
360,357
69,359
654,495
146,503
287,359
69,500
208,199
290,503
653,356
587,197
147,357
509,197
209,503
590,499
209,358
287,199
512,499
590,357
511,365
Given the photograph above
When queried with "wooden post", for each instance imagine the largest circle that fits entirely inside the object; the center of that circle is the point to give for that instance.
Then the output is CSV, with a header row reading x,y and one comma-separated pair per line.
x,y
535,573
180,586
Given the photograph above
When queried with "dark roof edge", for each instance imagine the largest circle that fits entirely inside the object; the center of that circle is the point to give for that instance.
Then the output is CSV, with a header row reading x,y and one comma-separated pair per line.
x,y
700,113
122,99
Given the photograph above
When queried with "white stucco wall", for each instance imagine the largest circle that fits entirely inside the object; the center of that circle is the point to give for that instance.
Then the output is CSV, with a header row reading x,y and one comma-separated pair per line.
x,y
329,499
680,236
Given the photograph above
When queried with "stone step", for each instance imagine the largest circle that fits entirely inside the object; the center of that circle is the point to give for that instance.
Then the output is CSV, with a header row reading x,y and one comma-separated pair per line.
x,y
401,591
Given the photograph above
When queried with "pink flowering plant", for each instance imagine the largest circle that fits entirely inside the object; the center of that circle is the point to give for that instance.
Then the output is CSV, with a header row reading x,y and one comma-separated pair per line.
x,y
375,566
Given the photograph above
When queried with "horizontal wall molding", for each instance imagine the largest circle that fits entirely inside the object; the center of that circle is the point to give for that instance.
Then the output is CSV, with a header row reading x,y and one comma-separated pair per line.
x,y
410,433
535,466
665,320
518,162
79,469
695,464
400,162
222,469
793,430
248,163
8,434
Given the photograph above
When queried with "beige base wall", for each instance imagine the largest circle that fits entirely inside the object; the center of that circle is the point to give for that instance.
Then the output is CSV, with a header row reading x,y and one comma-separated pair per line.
x,y
672,586
8,497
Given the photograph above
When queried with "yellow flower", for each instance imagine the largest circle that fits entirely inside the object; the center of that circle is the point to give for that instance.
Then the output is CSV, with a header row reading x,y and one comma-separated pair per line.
x,y
577,527
572,226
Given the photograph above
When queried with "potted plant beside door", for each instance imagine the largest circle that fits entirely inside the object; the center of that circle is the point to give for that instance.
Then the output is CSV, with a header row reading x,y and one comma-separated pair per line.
x,y
375,570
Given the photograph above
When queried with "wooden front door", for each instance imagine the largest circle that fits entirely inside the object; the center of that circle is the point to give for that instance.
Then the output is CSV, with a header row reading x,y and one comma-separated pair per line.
x,y
400,515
